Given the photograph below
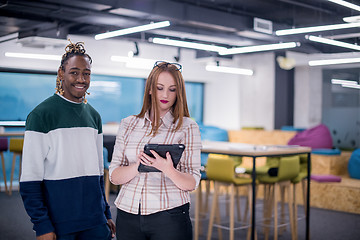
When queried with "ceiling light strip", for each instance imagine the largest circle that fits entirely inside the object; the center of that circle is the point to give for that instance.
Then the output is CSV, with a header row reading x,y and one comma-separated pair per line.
x,y
341,81
333,61
259,48
316,29
351,19
241,71
346,4
351,86
135,62
333,42
178,43
132,30
132,59
33,56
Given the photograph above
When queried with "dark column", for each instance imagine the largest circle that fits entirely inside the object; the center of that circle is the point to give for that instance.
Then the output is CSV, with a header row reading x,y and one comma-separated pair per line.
x,y
284,95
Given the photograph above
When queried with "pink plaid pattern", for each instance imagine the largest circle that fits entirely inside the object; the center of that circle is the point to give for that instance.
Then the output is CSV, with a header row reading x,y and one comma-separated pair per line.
x,y
154,191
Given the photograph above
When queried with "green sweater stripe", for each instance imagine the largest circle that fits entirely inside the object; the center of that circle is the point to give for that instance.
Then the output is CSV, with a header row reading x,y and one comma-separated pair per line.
x,y
60,113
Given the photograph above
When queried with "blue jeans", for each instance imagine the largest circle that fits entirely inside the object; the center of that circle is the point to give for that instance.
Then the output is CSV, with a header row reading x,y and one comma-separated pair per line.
x,y
172,224
101,232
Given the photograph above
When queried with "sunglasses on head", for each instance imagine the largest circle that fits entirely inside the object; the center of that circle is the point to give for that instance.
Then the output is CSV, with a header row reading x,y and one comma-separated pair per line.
x,y
163,64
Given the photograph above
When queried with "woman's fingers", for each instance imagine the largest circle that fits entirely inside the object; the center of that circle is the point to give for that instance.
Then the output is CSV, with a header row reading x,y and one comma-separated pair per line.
x,y
168,156
146,159
155,154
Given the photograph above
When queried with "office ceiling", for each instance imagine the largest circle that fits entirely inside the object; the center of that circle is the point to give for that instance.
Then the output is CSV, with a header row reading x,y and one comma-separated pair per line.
x,y
228,23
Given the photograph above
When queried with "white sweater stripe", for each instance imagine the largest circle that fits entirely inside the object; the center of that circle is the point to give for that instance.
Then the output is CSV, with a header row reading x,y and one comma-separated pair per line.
x,y
76,161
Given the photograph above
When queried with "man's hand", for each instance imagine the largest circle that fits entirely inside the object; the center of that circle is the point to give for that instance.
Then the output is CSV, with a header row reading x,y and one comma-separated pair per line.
x,y
47,236
112,227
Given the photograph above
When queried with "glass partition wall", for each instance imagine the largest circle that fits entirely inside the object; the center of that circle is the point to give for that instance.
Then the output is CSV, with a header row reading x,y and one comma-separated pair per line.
x,y
113,97
341,106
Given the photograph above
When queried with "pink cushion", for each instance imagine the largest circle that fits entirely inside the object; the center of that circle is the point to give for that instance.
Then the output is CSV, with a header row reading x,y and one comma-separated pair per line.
x,y
3,144
325,178
316,137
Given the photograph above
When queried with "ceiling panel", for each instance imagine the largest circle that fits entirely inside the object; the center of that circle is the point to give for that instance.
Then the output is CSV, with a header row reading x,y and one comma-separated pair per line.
x,y
225,22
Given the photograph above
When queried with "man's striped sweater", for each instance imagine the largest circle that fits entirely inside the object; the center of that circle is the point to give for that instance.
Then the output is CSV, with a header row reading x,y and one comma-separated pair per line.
x,y
62,183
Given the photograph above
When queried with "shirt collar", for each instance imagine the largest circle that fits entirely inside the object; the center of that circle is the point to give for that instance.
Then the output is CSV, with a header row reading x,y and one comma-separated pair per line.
x,y
146,119
67,99
167,119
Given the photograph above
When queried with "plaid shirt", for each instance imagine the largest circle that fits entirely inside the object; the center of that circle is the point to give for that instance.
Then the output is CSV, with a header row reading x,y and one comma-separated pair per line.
x,y
154,191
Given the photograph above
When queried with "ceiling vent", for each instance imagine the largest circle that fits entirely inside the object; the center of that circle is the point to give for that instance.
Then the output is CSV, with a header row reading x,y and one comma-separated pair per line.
x,y
51,38
262,25
42,42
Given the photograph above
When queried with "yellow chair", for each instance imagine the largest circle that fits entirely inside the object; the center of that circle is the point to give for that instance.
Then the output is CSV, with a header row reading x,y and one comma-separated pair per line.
x,y
221,170
3,148
210,133
280,170
16,147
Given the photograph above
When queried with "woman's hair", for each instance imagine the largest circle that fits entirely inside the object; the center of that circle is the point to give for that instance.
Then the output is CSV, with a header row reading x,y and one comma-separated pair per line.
x,y
179,109
72,49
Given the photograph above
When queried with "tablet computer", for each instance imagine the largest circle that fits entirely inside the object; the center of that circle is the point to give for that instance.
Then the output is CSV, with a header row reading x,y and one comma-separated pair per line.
x,y
175,151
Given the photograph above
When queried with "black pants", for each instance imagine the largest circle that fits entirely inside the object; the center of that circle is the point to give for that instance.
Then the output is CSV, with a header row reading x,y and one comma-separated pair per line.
x,y
171,224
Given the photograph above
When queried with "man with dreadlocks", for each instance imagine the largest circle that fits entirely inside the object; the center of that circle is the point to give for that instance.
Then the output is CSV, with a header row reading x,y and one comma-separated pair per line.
x,y
62,183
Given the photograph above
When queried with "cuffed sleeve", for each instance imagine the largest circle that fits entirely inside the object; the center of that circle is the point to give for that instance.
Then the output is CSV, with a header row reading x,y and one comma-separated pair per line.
x,y
191,162
31,193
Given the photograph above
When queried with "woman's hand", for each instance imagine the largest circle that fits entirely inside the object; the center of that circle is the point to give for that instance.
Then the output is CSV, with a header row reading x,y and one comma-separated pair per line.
x,y
184,181
163,164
